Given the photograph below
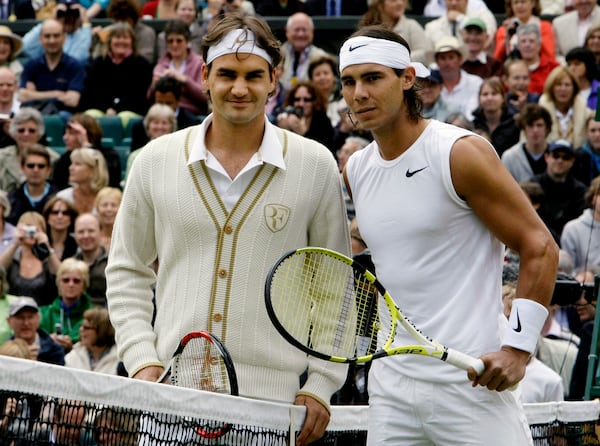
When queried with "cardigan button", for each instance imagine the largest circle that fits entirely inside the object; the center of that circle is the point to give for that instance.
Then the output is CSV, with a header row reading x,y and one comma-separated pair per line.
x,y
222,273
228,229
217,317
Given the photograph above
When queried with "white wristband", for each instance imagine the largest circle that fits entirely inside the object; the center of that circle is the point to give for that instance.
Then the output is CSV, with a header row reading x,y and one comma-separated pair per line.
x,y
525,323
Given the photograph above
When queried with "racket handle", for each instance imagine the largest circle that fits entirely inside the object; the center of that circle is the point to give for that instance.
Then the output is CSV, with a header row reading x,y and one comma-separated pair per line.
x,y
463,361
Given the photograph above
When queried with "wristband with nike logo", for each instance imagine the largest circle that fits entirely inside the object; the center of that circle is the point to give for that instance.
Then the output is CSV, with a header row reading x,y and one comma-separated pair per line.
x,y
525,323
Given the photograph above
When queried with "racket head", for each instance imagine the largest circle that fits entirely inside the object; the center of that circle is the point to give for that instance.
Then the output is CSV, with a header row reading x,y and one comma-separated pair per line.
x,y
202,362
325,304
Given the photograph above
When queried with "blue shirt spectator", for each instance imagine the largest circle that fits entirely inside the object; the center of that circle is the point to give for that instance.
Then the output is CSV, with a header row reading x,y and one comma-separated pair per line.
x,y
76,44
53,77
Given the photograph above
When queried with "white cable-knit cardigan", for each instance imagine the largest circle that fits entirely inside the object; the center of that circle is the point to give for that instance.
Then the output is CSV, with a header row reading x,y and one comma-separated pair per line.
x,y
213,264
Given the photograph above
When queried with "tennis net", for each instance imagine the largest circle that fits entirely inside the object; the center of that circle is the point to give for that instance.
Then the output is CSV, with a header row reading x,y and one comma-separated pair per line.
x,y
45,404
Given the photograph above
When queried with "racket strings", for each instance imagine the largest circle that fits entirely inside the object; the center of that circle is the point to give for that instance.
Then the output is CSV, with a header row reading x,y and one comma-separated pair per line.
x,y
201,366
323,304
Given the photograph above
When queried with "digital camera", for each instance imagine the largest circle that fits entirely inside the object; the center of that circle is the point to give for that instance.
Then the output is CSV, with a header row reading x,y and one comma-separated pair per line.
x,y
30,230
69,13
291,110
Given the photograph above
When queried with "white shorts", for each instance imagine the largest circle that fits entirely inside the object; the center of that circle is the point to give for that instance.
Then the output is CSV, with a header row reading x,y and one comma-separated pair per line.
x,y
405,411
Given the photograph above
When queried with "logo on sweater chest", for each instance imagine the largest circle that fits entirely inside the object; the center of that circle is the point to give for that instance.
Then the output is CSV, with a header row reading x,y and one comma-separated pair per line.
x,y
276,216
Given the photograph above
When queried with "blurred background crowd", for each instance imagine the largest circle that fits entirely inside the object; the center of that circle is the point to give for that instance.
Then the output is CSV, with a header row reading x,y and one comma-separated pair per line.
x,y
90,82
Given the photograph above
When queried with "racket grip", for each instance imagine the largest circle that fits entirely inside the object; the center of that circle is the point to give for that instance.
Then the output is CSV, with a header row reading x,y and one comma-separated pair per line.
x,y
463,361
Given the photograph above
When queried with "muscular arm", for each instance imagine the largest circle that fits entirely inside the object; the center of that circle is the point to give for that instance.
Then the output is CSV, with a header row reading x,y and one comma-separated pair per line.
x,y
498,201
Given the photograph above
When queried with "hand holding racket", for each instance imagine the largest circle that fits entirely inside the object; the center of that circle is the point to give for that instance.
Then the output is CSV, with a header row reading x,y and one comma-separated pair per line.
x,y
202,362
331,307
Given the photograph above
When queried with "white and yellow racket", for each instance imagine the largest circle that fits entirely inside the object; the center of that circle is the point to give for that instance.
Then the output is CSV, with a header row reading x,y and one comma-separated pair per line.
x,y
331,307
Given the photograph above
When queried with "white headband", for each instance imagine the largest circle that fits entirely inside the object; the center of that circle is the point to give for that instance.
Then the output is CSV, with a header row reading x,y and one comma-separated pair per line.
x,y
363,49
237,41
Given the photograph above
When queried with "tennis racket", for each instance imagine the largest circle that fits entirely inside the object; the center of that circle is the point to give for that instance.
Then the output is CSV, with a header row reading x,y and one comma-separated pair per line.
x,y
202,362
331,307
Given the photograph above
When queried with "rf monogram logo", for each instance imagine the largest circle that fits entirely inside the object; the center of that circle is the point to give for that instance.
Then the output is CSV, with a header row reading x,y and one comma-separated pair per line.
x,y
276,216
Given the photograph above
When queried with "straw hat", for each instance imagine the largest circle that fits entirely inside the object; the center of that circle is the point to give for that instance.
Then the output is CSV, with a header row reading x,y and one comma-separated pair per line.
x,y
17,43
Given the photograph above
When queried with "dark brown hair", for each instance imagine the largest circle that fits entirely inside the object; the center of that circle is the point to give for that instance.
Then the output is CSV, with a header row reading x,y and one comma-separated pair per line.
x,y
105,332
91,126
411,98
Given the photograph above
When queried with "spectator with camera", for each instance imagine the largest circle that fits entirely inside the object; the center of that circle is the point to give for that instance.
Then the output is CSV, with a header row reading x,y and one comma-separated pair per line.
x,y
519,13
29,262
77,32
457,13
305,113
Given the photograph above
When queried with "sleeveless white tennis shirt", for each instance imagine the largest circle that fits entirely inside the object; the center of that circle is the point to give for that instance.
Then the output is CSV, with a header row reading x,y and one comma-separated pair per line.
x,y
441,265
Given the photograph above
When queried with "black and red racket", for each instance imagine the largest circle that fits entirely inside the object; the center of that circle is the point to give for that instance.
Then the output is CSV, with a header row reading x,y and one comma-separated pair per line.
x,y
202,362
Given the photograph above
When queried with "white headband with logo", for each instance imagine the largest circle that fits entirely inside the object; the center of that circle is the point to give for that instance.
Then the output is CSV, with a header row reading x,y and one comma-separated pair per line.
x,y
237,41
363,49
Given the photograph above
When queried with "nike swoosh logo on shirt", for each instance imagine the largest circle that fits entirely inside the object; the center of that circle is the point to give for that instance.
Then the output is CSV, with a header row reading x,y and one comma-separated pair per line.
x,y
355,47
410,174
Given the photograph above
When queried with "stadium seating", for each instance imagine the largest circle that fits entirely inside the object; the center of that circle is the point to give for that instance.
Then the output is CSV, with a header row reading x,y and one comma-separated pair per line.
x,y
55,129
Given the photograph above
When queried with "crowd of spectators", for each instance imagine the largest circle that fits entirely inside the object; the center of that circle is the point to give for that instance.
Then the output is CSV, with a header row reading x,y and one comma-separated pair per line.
x,y
527,83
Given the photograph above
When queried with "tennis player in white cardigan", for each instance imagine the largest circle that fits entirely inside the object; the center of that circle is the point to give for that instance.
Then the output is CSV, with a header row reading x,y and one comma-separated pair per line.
x,y
217,204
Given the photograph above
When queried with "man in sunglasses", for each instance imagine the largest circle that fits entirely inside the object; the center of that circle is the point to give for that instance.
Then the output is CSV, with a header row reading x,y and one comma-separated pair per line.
x,y
36,190
564,194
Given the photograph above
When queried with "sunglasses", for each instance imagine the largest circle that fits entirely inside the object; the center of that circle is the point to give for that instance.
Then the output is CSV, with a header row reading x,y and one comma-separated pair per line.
x,y
34,165
75,280
26,130
301,99
563,156
59,211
